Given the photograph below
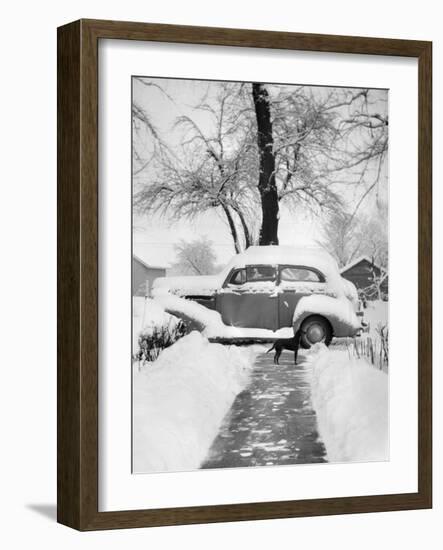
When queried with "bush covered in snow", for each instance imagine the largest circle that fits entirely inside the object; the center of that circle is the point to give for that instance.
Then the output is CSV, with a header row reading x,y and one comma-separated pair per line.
x,y
351,401
154,329
181,399
152,341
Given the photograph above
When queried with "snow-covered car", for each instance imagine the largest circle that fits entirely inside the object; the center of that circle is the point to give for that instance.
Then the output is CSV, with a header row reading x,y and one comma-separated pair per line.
x,y
273,287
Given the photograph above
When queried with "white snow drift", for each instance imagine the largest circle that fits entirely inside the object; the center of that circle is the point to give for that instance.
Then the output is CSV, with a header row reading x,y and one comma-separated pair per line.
x,y
180,401
350,398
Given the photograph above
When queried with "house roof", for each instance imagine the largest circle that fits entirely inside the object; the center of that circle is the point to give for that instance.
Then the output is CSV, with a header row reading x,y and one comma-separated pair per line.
x,y
148,266
357,261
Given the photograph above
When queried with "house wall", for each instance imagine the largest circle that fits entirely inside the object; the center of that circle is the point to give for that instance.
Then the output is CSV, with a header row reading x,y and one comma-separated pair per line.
x,y
141,274
361,275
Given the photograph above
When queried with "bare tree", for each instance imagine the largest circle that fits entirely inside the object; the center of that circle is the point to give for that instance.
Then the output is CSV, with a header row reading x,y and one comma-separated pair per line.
x,y
310,144
194,258
324,141
347,236
212,170
146,141
341,236
256,147
374,238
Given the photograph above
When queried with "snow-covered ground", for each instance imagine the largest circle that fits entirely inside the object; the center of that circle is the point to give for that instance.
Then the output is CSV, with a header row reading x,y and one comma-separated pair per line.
x,y
351,400
180,401
181,398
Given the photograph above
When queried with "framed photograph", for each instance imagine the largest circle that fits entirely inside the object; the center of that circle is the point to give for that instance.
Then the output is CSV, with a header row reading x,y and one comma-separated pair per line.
x,y
244,275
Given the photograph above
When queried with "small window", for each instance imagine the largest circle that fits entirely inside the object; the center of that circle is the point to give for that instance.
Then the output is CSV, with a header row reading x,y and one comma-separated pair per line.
x,y
238,277
300,274
256,273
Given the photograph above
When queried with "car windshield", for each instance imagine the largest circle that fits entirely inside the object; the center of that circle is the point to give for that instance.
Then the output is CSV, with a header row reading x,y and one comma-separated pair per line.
x,y
256,273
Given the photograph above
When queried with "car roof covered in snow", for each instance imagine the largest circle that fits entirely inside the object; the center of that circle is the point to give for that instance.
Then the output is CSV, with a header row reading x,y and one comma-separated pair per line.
x,y
314,257
273,255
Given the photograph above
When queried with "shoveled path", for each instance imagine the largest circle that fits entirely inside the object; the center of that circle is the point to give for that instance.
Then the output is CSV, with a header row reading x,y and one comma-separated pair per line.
x,y
271,421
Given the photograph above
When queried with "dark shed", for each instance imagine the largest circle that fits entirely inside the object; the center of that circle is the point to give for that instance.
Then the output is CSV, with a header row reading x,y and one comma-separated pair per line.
x,y
367,276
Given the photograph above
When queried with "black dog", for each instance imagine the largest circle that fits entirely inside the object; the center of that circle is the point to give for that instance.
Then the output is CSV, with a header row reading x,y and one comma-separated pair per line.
x,y
291,344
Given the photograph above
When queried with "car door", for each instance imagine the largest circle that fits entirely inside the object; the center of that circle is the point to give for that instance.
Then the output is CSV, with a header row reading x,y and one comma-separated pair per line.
x,y
296,281
249,298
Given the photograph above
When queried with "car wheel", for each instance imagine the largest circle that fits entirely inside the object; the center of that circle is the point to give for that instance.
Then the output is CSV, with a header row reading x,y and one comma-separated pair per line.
x,y
315,329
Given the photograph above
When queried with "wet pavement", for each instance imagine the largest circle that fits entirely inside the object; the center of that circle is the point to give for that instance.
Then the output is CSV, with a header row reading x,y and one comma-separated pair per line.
x,y
271,422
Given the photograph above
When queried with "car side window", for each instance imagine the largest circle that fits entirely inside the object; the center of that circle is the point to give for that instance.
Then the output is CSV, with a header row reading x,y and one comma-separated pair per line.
x,y
238,277
300,274
256,273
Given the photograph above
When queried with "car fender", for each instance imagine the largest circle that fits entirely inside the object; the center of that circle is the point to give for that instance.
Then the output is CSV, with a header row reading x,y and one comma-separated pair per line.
x,y
351,292
338,311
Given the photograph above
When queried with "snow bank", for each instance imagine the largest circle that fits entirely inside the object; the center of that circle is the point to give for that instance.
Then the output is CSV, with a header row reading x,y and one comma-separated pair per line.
x,y
203,319
210,323
138,307
180,401
351,401
147,315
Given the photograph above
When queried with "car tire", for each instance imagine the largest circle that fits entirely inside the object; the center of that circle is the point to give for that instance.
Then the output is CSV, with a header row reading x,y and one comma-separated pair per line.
x,y
315,329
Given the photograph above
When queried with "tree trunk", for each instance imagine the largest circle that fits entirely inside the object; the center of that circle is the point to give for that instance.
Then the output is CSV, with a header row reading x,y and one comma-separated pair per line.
x,y
266,183
232,227
246,233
